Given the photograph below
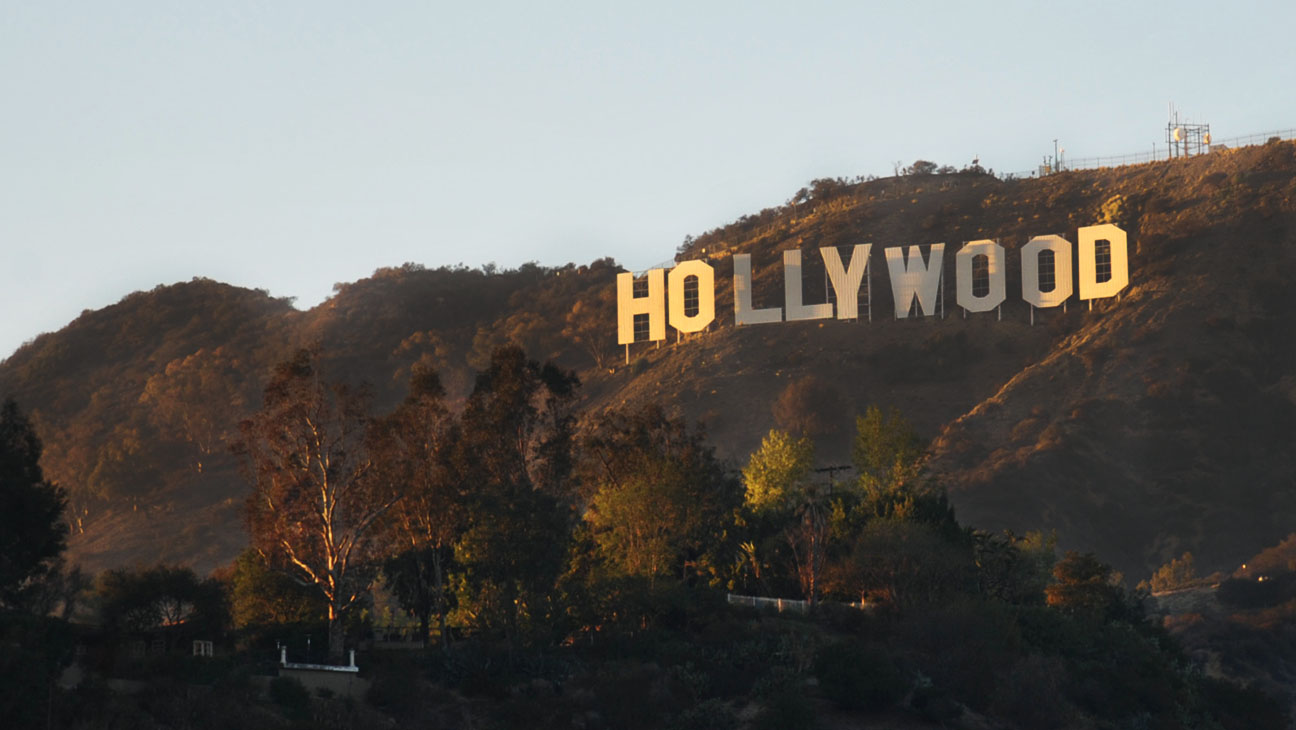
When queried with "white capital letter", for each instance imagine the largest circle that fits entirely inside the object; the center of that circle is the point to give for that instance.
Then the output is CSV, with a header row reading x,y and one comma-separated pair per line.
x,y
653,305
846,282
705,276
792,291
1090,287
914,278
743,312
1030,256
963,260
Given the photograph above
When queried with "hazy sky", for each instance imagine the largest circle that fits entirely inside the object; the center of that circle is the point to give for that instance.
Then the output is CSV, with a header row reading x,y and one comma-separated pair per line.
x,y
291,145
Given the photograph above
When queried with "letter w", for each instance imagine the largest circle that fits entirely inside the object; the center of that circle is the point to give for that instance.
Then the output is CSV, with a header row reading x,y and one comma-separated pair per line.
x,y
913,278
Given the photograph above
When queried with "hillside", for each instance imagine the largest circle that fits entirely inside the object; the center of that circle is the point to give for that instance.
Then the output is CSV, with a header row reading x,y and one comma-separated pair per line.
x,y
1156,423
1165,422
1244,628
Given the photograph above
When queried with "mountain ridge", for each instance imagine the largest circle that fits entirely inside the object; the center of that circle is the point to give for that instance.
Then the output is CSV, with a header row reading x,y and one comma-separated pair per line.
x,y
116,394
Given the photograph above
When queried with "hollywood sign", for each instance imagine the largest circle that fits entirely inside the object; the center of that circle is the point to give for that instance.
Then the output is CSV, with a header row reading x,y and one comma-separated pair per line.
x,y
1102,271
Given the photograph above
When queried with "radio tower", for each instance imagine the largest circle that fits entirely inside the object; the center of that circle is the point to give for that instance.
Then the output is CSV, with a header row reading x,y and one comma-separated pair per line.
x,y
1185,139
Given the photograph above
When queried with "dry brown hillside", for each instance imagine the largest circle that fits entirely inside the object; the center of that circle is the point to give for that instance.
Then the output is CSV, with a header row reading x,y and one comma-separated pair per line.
x,y
1159,422
1165,421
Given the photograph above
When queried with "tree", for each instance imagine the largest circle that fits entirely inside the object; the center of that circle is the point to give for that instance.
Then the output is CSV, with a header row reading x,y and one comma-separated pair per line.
x,y
893,483
1088,587
517,426
1178,573
808,406
896,532
778,479
660,500
195,397
415,444
126,465
515,457
778,473
32,532
527,330
262,597
438,351
417,577
315,508
60,592
1014,569
636,520
907,562
885,445
163,595
589,324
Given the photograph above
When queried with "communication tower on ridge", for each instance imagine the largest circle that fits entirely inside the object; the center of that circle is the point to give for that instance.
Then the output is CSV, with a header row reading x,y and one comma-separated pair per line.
x,y
1184,139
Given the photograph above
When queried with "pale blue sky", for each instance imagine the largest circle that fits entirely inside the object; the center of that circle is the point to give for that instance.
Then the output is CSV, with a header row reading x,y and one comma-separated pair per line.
x,y
291,145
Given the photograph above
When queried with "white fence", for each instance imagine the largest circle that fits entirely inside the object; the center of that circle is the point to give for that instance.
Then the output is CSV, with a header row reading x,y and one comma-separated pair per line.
x,y
1156,154
788,605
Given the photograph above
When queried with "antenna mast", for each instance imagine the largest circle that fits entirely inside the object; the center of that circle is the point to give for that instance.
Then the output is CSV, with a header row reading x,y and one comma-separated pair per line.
x,y
1185,138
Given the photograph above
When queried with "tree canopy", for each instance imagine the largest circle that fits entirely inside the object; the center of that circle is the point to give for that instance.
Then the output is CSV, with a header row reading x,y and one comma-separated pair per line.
x,y
660,500
158,596
780,484
315,507
32,532
415,449
778,474
516,453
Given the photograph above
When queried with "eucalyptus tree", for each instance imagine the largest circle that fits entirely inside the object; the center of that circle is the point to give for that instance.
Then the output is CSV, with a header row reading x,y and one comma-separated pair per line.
x,y
316,510
514,456
414,446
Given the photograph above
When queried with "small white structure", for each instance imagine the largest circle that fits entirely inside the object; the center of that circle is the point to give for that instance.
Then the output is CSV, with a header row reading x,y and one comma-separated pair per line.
x,y
342,681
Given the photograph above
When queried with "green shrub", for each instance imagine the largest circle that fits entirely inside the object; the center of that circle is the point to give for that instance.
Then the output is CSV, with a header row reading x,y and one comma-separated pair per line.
x,y
1177,573
1114,209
